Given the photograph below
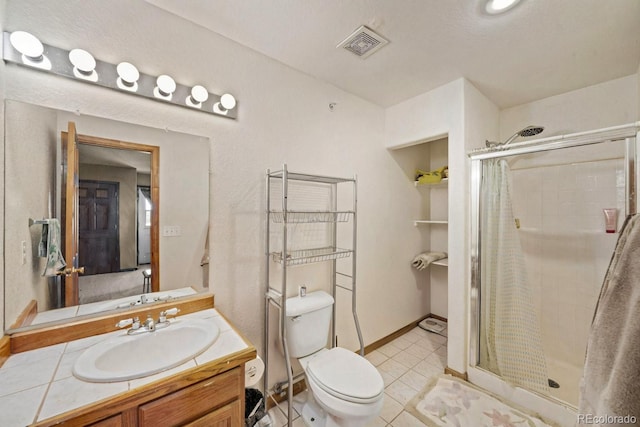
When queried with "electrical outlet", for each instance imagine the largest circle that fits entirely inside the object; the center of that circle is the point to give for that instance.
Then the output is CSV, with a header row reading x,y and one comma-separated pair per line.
x,y
171,231
24,252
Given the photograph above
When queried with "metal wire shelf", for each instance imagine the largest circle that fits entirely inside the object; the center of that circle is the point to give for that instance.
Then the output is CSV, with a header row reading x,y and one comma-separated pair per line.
x,y
311,216
308,256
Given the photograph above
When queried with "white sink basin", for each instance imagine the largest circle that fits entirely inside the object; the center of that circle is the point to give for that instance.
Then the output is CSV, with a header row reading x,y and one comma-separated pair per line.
x,y
126,357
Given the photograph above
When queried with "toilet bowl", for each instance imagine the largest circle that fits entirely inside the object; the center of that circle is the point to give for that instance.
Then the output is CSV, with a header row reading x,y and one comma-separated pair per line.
x,y
345,385
344,389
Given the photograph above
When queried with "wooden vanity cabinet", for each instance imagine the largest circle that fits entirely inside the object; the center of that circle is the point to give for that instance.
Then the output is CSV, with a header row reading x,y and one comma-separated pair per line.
x,y
213,401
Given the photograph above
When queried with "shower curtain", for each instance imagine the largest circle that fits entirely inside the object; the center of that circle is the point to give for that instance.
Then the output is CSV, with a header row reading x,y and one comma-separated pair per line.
x,y
511,343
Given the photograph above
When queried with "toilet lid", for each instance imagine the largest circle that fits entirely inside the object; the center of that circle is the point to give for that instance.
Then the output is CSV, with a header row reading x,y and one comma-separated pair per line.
x,y
346,375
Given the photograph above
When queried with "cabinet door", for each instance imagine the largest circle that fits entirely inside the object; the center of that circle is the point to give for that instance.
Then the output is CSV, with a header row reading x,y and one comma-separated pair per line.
x,y
228,416
194,401
115,421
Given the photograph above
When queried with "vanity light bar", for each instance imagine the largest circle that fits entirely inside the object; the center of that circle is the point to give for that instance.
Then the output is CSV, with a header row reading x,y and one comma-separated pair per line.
x,y
22,48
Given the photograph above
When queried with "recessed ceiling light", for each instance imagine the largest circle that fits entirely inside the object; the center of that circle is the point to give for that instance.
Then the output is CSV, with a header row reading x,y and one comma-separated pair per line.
x,y
494,7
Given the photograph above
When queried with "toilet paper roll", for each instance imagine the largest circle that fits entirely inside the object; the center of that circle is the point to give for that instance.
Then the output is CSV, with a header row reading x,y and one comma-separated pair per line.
x,y
253,371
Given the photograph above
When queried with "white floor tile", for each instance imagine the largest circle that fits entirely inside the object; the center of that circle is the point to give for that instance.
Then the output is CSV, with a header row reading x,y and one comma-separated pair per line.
x,y
402,342
405,419
436,360
279,416
407,359
427,369
393,368
391,408
387,378
376,357
419,351
427,344
389,350
414,380
401,392
377,422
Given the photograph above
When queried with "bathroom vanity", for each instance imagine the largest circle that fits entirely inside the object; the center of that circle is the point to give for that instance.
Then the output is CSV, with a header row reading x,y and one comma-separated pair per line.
x,y
206,390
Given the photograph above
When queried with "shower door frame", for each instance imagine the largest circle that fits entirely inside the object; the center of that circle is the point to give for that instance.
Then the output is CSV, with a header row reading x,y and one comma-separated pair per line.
x,y
630,133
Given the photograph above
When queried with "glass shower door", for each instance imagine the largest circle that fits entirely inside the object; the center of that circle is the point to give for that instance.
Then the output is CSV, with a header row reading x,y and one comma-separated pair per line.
x,y
541,254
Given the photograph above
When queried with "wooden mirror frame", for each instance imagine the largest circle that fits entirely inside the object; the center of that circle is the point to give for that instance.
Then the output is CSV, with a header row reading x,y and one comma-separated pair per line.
x,y
71,280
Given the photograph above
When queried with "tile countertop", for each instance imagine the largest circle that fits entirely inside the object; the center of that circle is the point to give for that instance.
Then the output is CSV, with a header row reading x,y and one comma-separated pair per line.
x,y
39,384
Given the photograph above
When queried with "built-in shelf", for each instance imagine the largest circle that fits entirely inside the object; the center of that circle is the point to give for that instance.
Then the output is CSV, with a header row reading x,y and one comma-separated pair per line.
x,y
311,216
443,183
442,262
308,256
428,221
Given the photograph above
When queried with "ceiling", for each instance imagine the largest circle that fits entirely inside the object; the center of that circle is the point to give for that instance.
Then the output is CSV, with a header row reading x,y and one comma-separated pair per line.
x,y
538,49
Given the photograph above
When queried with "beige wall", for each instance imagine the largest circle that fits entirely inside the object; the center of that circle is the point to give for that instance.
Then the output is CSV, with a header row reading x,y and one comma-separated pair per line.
x,y
127,180
610,103
30,193
284,116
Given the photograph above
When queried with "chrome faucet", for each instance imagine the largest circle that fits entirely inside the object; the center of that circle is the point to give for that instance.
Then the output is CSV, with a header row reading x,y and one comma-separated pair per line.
x,y
163,322
149,325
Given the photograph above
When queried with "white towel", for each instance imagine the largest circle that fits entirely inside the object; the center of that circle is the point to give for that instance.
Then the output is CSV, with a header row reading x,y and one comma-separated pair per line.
x,y
423,260
611,378
55,260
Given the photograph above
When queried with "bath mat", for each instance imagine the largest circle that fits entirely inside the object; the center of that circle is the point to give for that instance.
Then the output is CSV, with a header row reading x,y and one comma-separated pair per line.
x,y
448,401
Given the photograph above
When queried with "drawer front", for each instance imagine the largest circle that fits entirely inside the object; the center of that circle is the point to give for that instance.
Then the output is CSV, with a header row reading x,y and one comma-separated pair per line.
x,y
194,401
228,416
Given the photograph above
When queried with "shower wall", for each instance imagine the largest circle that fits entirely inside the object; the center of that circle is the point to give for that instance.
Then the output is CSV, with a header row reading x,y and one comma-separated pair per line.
x,y
558,199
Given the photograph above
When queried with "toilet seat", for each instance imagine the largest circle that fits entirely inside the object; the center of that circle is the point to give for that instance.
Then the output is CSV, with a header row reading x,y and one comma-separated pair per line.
x,y
346,375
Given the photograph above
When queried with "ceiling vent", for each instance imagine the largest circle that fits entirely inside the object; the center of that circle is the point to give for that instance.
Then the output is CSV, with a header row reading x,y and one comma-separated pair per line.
x,y
363,42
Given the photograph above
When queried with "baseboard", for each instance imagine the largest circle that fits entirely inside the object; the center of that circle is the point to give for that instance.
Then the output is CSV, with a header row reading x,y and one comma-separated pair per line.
x,y
385,340
454,373
435,316
5,349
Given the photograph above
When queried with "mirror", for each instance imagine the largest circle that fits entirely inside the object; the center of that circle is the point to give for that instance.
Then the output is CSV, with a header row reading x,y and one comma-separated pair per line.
x,y
33,189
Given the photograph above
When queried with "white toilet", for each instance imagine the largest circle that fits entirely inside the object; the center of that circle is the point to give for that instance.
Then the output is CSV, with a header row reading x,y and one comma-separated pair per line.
x,y
343,388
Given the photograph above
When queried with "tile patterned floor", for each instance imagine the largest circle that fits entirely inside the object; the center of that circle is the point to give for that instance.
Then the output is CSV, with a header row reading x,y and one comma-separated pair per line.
x,y
406,365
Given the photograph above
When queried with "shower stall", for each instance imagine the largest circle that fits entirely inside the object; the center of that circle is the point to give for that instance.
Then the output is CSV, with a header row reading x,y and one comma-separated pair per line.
x,y
540,251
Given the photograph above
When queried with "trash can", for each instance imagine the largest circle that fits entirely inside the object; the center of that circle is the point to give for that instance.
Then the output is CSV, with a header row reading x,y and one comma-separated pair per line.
x,y
253,407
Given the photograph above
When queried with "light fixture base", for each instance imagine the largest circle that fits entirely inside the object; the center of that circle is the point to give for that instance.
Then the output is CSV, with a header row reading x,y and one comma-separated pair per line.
x,y
56,61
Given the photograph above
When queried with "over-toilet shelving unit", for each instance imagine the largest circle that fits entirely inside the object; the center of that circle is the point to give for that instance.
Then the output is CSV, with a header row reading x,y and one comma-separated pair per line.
x,y
316,208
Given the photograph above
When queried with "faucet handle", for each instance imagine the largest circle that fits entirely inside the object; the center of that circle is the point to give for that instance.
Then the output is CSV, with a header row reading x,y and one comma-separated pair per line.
x,y
171,312
124,322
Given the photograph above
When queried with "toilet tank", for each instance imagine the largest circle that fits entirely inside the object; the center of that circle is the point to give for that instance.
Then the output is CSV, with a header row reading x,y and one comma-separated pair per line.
x,y
307,323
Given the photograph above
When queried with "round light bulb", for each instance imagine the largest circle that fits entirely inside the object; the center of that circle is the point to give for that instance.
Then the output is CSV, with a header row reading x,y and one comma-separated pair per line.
x,y
128,73
227,101
82,60
166,85
499,6
27,44
199,94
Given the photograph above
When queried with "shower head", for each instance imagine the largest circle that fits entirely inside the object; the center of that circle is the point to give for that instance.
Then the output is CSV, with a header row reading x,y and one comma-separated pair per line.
x,y
526,132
